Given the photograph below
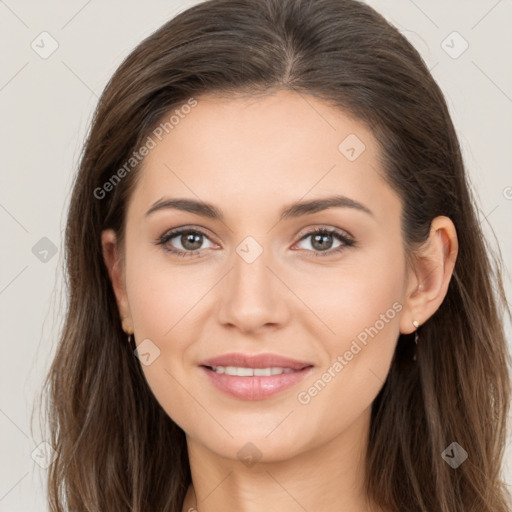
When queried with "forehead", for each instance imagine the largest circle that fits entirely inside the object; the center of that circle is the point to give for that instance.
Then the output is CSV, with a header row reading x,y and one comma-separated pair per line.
x,y
256,152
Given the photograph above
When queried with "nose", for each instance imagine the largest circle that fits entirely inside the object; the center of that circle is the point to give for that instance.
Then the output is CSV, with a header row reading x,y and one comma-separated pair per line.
x,y
252,297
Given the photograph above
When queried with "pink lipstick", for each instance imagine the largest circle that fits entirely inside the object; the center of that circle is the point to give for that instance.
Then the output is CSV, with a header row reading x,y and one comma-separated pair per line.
x,y
254,377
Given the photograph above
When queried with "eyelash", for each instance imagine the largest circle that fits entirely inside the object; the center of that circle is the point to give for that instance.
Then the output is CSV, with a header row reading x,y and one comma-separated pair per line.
x,y
346,241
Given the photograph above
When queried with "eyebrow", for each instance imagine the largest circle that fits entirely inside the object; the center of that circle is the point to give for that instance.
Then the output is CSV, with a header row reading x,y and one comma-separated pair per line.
x,y
292,210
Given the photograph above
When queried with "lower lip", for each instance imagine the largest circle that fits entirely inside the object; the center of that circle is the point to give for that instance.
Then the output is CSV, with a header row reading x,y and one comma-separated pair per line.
x,y
255,388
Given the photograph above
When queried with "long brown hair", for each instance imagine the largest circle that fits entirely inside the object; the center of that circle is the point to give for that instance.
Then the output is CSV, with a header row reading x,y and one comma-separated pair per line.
x,y
117,449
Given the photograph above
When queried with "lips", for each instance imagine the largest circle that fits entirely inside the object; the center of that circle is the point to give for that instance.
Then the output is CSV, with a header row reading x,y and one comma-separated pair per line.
x,y
255,361
232,374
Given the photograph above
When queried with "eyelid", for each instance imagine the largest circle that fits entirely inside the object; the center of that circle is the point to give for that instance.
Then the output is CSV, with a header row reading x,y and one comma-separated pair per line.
x,y
325,228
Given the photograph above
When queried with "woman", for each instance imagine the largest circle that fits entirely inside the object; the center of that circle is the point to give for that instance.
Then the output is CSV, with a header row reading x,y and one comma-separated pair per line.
x,y
280,296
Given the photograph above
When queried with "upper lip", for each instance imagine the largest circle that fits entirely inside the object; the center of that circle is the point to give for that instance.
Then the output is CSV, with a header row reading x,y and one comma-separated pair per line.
x,y
255,361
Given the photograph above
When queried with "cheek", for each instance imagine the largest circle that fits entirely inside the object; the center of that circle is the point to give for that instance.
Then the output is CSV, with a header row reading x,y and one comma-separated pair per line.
x,y
160,301
363,309
366,290
162,296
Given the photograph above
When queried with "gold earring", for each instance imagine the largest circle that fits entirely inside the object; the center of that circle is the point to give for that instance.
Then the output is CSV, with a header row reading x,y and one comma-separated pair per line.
x,y
127,330
130,337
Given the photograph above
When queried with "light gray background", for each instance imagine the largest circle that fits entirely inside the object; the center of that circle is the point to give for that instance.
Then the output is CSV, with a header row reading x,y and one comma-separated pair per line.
x,y
46,105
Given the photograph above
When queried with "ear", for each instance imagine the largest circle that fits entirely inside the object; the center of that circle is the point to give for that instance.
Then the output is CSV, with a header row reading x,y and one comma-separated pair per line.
x,y
115,267
428,280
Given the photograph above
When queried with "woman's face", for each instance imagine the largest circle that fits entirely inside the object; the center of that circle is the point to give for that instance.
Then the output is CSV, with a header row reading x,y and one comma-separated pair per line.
x,y
253,281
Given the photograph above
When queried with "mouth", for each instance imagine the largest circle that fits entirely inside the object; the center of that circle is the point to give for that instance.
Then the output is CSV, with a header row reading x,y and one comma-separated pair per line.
x,y
254,383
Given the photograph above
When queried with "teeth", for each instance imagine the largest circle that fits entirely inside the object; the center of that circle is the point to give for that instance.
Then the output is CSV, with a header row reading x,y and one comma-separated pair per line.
x,y
250,372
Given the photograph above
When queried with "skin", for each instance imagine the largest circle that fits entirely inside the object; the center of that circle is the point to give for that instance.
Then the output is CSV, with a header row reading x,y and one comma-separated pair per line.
x,y
251,157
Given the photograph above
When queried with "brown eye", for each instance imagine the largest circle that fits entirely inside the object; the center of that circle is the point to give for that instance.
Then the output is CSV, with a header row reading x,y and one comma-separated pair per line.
x,y
191,240
322,241
183,242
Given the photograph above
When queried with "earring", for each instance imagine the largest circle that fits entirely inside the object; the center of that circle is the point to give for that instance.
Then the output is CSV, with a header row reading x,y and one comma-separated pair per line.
x,y
416,336
130,333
